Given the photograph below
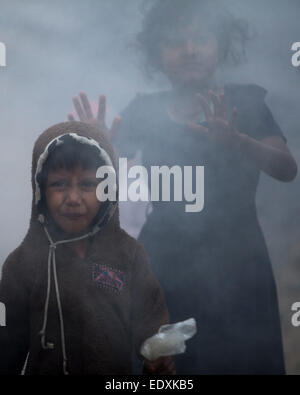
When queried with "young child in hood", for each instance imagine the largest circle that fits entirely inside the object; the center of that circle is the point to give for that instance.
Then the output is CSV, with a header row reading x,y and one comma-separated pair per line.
x,y
78,291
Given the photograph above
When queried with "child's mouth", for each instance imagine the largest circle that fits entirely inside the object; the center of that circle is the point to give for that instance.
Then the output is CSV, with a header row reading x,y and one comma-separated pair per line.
x,y
73,217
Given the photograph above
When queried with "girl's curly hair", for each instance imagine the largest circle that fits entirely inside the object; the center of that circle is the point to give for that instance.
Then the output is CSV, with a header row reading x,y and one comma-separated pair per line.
x,y
162,18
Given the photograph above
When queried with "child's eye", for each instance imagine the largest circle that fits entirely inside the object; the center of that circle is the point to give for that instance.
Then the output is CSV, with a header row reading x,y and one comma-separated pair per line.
x,y
88,184
202,39
58,184
174,42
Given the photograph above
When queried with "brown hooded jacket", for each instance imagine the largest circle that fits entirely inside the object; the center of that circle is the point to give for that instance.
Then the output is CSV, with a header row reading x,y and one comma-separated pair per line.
x,y
70,315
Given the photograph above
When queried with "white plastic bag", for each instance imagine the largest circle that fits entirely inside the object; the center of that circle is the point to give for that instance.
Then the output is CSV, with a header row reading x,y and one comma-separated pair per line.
x,y
170,340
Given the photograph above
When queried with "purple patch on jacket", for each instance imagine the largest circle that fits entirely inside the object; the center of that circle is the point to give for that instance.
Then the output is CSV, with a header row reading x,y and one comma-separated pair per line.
x,y
108,278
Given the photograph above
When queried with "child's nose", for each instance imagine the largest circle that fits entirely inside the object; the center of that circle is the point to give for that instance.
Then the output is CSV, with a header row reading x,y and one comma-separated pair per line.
x,y
74,196
190,46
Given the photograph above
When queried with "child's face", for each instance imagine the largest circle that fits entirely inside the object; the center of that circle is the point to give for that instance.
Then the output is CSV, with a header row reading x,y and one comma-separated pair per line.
x,y
190,57
71,198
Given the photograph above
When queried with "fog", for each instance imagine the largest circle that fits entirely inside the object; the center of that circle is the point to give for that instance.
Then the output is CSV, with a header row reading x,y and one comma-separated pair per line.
x,y
56,49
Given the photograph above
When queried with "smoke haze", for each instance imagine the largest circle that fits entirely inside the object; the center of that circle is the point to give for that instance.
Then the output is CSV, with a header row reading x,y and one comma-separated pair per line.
x,y
56,49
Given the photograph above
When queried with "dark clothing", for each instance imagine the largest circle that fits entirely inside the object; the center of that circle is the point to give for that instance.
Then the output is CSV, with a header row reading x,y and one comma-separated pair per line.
x,y
212,265
110,301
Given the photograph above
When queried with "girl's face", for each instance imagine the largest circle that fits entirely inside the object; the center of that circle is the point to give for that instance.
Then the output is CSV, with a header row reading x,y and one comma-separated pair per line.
x,y
189,57
71,198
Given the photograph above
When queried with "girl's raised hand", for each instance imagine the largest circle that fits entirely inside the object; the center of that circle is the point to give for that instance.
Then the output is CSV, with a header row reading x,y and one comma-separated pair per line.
x,y
217,127
85,114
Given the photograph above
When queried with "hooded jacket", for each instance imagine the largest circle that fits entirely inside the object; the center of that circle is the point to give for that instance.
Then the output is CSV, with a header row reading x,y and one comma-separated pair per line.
x,y
68,315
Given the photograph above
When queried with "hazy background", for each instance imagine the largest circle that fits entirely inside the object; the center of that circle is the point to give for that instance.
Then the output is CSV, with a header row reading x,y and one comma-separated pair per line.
x,y
56,49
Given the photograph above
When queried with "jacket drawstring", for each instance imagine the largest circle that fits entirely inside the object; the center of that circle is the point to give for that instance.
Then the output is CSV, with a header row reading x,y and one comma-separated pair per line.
x,y
51,259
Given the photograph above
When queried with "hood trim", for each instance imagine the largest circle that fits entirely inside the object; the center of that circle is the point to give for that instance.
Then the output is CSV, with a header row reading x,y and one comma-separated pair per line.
x,y
43,157
83,140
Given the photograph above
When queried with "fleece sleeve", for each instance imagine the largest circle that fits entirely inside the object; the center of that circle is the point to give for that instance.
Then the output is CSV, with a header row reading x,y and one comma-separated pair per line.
x,y
149,311
14,334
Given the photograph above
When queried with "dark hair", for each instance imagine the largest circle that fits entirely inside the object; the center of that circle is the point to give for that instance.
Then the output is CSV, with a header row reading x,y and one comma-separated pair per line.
x,y
69,155
72,154
164,17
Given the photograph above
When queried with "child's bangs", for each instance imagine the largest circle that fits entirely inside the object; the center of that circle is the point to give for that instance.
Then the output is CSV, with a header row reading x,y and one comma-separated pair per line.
x,y
71,155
